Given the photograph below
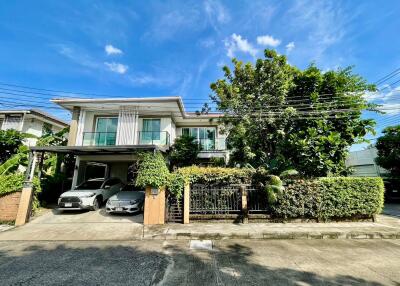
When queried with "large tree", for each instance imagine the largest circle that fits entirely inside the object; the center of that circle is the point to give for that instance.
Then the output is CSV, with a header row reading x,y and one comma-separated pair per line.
x,y
389,150
280,117
10,141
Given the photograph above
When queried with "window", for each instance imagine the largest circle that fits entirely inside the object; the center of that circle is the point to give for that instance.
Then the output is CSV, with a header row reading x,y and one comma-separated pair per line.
x,y
205,136
151,129
106,130
12,122
47,129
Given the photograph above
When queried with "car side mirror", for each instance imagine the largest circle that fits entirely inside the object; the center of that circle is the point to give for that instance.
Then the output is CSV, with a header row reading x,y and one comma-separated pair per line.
x,y
107,187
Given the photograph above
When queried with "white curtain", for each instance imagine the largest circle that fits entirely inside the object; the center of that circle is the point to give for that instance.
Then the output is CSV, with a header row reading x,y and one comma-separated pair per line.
x,y
127,126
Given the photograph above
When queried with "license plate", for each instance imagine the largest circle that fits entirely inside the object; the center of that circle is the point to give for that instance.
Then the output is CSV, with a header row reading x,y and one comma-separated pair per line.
x,y
119,209
68,205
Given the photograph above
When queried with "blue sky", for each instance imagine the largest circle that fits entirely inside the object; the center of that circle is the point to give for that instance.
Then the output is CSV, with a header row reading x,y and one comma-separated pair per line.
x,y
160,48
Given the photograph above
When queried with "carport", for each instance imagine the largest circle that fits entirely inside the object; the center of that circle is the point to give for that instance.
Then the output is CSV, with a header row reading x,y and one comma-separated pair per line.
x,y
116,160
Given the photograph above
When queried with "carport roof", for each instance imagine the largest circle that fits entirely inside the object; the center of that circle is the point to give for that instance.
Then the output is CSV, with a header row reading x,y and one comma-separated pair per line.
x,y
93,150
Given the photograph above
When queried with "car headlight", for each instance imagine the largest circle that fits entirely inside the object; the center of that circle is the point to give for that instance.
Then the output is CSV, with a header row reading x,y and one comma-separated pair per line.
x,y
133,202
88,195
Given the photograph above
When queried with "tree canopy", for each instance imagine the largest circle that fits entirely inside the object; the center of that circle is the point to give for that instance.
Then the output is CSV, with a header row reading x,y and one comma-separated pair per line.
x,y
279,117
388,147
184,151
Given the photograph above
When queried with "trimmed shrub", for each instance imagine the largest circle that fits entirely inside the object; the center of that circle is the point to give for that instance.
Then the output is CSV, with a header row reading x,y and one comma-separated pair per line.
x,y
210,176
330,198
153,171
14,182
348,197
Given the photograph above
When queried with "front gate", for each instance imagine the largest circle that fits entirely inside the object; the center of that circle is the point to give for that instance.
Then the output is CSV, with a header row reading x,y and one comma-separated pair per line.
x,y
174,209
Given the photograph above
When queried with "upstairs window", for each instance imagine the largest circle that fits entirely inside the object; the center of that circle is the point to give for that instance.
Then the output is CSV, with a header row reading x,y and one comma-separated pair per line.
x,y
12,122
106,130
205,136
151,129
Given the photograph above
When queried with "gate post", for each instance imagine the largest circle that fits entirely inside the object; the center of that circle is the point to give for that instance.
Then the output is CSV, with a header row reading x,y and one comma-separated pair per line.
x,y
186,203
154,206
245,210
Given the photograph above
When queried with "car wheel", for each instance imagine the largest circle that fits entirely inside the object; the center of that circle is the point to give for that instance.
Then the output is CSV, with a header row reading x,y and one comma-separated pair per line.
x,y
96,204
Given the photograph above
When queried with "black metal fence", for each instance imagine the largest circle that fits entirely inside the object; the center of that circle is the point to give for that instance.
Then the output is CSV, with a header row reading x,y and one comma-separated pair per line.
x,y
215,200
257,202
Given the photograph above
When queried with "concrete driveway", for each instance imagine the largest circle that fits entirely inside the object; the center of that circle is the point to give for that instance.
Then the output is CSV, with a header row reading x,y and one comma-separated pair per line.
x,y
78,225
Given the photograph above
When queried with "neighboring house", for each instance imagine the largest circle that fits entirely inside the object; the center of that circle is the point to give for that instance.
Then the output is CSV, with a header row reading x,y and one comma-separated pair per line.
x,y
363,163
106,133
32,121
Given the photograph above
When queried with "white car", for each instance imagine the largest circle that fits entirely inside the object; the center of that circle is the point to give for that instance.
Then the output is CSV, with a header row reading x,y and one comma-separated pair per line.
x,y
91,194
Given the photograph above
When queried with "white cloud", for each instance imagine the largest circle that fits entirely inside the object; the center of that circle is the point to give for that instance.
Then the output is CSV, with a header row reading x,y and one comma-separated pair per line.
x,y
268,40
111,50
116,67
290,47
237,43
216,11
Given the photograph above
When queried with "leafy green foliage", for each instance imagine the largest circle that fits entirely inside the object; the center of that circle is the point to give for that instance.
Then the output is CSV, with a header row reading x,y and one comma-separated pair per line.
x,y
20,158
388,147
274,189
153,170
10,141
207,176
184,151
280,117
330,198
14,182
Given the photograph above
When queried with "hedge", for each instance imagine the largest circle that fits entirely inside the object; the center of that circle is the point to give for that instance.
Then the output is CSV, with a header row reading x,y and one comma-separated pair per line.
x,y
207,176
331,198
14,182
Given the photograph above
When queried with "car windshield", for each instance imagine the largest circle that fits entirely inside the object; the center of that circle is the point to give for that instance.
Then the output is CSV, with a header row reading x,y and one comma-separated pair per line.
x,y
89,185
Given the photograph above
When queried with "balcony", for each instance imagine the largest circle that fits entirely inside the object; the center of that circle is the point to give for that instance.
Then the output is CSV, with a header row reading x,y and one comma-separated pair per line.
x,y
160,138
99,138
209,145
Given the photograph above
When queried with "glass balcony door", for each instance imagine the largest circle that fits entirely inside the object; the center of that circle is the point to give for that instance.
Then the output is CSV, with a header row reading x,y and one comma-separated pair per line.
x,y
151,132
205,136
106,130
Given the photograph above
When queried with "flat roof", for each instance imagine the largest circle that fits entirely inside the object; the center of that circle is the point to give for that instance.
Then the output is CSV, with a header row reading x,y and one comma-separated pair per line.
x,y
98,150
69,103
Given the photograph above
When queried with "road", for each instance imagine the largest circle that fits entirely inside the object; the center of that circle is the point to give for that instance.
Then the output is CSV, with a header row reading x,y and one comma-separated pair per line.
x,y
240,262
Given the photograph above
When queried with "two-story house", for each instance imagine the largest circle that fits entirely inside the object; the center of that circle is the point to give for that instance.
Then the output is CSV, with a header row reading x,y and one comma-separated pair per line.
x,y
34,122
105,134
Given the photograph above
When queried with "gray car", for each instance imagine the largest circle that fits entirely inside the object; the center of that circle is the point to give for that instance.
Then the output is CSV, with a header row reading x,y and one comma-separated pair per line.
x,y
126,201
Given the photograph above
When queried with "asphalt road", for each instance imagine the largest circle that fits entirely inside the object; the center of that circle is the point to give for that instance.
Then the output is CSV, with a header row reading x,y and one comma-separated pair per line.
x,y
251,262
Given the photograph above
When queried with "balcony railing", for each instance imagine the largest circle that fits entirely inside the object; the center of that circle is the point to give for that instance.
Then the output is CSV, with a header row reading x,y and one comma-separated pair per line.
x,y
218,144
154,138
99,138
109,138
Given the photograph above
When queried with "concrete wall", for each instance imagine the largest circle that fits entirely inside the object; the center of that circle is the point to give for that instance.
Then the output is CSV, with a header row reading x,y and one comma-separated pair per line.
x,y
9,206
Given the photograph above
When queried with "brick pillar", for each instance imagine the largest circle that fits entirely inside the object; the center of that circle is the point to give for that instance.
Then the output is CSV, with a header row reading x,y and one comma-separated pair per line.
x,y
245,211
73,127
186,203
154,206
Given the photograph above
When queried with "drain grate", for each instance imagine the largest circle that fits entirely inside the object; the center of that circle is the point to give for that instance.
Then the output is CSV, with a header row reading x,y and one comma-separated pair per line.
x,y
201,244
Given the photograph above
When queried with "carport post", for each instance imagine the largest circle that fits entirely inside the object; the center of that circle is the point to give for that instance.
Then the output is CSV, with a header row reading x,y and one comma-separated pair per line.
x,y
25,202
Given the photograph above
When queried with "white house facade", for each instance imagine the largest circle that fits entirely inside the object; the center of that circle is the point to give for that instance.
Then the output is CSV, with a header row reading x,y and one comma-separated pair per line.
x,y
106,133
363,163
34,122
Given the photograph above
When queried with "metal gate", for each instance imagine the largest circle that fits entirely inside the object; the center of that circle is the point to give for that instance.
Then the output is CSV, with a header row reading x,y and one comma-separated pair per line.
x,y
174,209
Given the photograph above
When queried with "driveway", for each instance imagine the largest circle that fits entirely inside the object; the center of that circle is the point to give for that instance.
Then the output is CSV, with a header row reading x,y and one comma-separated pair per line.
x,y
233,262
78,225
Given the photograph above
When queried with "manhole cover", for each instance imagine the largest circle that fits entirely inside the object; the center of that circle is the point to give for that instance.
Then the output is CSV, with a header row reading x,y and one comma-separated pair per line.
x,y
201,244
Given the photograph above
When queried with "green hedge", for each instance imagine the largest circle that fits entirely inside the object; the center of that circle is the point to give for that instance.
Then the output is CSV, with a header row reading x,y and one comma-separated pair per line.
x,y
330,198
207,176
14,182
